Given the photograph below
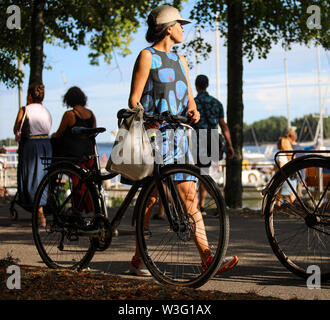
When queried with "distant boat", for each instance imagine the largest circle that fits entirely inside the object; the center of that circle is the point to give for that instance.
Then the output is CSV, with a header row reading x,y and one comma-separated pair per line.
x,y
266,155
254,178
249,155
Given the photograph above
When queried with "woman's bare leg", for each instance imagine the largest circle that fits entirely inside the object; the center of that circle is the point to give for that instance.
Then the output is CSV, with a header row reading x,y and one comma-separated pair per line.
x,y
189,197
152,201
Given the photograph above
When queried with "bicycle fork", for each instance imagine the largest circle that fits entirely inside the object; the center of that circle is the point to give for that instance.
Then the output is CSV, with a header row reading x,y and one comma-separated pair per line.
x,y
168,195
170,198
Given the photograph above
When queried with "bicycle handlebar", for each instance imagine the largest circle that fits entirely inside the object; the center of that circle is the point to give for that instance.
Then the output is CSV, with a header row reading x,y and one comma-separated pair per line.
x,y
165,116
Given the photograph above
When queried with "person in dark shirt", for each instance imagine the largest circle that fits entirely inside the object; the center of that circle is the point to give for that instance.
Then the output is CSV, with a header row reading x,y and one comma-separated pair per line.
x,y
211,115
79,116
67,144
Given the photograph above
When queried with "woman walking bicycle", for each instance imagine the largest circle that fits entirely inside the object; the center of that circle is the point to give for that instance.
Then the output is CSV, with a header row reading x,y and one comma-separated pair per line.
x,y
160,82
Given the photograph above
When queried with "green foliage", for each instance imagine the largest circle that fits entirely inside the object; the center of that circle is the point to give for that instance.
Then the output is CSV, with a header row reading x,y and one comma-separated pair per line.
x,y
268,22
14,43
271,129
267,130
307,126
117,201
103,25
8,142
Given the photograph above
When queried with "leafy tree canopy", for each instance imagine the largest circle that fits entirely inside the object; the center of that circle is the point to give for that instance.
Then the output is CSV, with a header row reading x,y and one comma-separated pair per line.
x,y
268,22
271,129
103,25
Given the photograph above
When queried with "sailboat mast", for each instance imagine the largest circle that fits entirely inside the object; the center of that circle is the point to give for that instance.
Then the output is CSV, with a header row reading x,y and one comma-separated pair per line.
x,y
217,56
287,92
321,135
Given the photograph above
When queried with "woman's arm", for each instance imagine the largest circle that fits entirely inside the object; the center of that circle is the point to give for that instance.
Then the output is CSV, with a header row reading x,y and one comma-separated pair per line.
x,y
18,120
140,76
68,119
226,133
94,120
192,108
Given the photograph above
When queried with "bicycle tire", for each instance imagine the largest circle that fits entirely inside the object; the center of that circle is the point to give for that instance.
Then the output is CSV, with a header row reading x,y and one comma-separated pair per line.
x,y
297,231
59,244
178,262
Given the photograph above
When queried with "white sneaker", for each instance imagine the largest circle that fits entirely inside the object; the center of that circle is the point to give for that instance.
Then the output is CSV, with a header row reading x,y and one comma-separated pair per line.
x,y
138,268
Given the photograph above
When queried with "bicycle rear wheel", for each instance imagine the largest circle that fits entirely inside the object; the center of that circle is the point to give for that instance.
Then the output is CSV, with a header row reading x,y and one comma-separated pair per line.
x,y
298,229
172,252
69,206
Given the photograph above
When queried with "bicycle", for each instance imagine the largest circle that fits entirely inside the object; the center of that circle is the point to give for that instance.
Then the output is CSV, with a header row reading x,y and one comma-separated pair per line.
x,y
298,230
77,221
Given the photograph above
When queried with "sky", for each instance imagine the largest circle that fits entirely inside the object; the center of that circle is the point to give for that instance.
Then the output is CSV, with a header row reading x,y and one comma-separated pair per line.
x,y
107,86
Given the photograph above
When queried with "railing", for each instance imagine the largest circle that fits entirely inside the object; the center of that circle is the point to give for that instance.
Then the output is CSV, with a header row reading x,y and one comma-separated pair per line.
x,y
8,176
8,171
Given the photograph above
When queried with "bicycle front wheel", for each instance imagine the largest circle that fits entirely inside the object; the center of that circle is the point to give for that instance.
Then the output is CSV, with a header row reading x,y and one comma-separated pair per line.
x,y
298,223
172,248
68,203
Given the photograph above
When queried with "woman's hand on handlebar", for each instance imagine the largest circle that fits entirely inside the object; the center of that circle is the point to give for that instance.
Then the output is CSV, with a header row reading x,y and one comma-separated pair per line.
x,y
151,125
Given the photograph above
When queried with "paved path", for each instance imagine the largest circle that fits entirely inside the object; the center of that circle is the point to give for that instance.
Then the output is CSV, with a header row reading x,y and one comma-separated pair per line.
x,y
258,270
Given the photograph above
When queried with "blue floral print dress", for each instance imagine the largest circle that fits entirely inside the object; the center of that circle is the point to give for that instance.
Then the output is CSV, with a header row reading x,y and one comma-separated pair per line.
x,y
167,90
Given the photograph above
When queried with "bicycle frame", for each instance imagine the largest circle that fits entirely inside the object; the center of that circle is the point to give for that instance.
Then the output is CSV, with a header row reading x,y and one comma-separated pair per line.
x,y
96,177
131,194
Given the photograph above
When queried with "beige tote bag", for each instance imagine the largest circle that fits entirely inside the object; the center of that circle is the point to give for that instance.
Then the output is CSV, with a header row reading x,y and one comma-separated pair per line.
x,y
132,154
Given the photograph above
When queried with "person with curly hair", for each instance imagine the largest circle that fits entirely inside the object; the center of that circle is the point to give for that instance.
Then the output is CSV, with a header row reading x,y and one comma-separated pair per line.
x,y
78,148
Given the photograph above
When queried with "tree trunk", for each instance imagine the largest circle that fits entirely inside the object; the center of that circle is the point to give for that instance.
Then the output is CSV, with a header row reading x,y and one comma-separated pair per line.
x,y
37,42
233,188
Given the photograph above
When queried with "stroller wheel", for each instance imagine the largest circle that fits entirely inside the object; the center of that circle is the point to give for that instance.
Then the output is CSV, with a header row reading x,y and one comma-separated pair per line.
x,y
13,213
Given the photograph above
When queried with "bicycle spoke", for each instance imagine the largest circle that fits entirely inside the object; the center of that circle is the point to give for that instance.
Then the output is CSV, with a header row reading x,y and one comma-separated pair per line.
x,y
68,208
174,252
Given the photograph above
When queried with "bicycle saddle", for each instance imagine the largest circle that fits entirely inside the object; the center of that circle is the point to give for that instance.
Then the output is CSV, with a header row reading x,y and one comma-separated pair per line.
x,y
123,114
87,131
